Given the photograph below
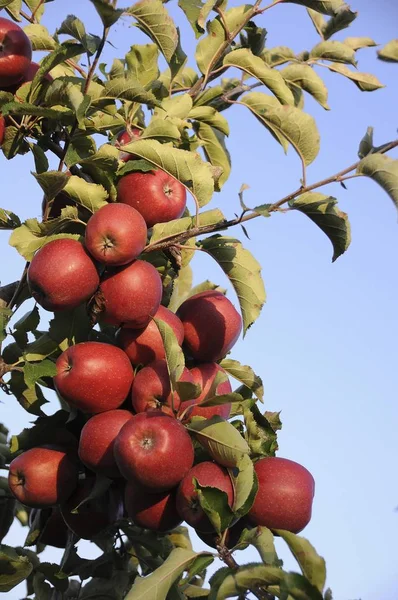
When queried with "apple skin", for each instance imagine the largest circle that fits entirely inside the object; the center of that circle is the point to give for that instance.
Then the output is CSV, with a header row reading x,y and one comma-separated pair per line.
x,y
212,325
42,477
204,375
156,195
97,440
207,474
151,389
2,129
93,377
155,511
27,78
131,294
62,276
95,515
116,234
55,530
143,346
15,53
154,450
125,138
285,494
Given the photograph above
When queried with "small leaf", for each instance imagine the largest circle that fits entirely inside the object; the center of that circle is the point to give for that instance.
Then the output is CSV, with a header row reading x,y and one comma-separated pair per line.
x,y
318,21
221,440
263,540
41,160
306,78
260,435
279,55
326,7
8,220
384,170
45,430
214,503
366,145
343,18
40,37
323,211
90,195
215,150
197,12
63,52
154,20
336,51
107,13
142,63
389,52
182,286
245,375
29,322
174,355
356,43
249,577
312,565
13,568
364,81
245,486
29,237
128,88
243,271
161,231
211,116
33,372
5,316
51,182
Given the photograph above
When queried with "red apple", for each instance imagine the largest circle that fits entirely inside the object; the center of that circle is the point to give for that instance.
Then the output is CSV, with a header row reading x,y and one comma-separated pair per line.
x,y
116,234
204,375
208,474
61,275
154,450
125,138
97,440
15,53
143,346
42,477
156,511
2,129
55,530
96,514
212,325
155,194
27,78
151,389
285,494
131,294
93,377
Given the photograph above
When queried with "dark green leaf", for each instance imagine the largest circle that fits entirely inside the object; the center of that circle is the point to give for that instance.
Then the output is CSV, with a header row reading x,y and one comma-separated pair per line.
x,y
13,568
312,565
41,161
31,399
260,435
214,503
107,13
384,170
8,220
51,182
366,145
40,37
343,19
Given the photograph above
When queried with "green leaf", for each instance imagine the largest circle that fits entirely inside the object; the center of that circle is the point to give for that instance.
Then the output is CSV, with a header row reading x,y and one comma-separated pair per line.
x,y
260,435
263,540
174,355
336,51
326,7
181,288
299,587
33,372
197,12
287,124
187,167
364,81
128,88
215,150
214,503
80,148
221,440
245,375
245,486
29,322
8,220
311,564
161,231
245,60
51,182
24,108
74,27
389,52
154,20
323,211
31,399
90,195
366,145
142,63
243,271
248,578
217,400
356,43
41,160
211,116
13,8
384,171
161,129
29,237
343,18
5,316
63,52
278,55
107,13
13,568
318,21
39,37
157,584
177,106
307,79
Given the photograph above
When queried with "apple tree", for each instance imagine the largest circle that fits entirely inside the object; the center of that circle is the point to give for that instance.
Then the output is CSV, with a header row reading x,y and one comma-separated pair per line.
x,y
150,436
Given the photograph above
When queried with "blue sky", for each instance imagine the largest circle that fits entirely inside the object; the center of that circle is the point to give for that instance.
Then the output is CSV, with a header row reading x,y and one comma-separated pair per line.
x,y
325,344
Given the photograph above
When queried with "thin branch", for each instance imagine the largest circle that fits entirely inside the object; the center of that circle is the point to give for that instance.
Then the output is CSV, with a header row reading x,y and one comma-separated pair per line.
x,y
26,16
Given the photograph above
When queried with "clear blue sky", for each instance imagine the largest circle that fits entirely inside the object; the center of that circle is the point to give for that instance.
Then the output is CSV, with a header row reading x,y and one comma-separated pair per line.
x,y
326,343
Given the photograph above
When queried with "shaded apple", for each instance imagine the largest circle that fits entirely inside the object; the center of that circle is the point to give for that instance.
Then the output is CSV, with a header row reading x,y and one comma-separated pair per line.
x,y
15,53
131,294
43,476
27,78
93,377
61,275
55,531
143,346
97,440
155,511
204,375
116,234
285,494
232,537
208,474
154,450
151,389
124,138
155,194
211,323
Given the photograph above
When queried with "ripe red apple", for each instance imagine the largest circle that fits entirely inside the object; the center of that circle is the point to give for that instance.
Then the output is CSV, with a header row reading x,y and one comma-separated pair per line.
x,y
2,129
212,325
155,511
204,375
143,346
61,275
42,477
96,514
155,194
93,377
207,474
124,138
285,494
97,440
55,530
131,294
151,389
15,53
27,78
154,450
116,234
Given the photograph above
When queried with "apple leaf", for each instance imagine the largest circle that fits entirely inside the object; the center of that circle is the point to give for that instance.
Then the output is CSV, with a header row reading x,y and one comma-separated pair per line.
x,y
325,7
51,182
364,81
221,440
90,195
312,565
8,219
204,287
197,13
366,145
335,51
323,211
389,52
244,272
161,129
5,316
40,37
142,63
263,540
356,43
342,19
7,502
63,52
101,588
161,231
254,66
181,288
101,485
154,20
210,116
279,55
260,435
30,398
13,568
174,355
217,400
245,486
179,537
214,503
45,430
199,566
30,237
215,150
249,577
306,78
157,585
384,171
107,13
128,88
245,375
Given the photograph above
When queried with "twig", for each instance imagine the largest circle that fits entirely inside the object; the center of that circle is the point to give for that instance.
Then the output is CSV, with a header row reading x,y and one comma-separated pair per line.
x,y
228,559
